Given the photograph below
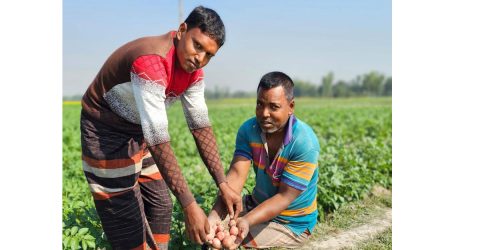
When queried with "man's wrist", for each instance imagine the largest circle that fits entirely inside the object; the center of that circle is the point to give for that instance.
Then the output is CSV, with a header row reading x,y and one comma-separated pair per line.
x,y
220,179
189,206
186,199
223,185
248,219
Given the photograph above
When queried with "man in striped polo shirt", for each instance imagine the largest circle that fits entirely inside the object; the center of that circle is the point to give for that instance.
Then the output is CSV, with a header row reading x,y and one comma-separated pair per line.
x,y
282,210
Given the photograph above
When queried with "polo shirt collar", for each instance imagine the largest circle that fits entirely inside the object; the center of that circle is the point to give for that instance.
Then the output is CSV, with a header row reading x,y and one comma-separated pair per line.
x,y
289,133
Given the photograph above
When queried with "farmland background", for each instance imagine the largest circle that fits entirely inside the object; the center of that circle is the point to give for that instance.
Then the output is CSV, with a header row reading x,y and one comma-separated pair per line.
x,y
355,136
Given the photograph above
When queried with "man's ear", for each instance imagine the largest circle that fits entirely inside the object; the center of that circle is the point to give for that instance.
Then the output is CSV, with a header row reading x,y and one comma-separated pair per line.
x,y
181,30
291,106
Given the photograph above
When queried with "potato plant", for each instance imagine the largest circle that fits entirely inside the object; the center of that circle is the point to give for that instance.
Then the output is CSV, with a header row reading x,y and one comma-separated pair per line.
x,y
356,152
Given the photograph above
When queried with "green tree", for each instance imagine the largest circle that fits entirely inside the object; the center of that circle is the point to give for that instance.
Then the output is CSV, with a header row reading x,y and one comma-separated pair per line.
x,y
387,90
304,88
327,85
373,83
341,89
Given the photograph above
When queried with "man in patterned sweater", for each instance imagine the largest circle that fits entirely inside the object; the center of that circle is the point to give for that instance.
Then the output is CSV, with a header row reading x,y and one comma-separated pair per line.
x,y
127,158
282,209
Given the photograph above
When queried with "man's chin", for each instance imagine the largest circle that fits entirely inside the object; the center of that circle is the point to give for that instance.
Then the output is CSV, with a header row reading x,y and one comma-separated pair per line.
x,y
268,130
189,70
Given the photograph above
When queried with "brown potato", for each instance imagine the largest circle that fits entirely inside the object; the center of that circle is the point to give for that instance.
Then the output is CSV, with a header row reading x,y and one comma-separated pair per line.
x,y
220,235
234,231
216,243
227,242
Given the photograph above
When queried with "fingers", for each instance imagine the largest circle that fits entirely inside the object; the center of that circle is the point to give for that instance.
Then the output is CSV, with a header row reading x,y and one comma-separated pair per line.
x,y
238,209
230,210
207,227
203,235
242,232
198,240
238,240
198,235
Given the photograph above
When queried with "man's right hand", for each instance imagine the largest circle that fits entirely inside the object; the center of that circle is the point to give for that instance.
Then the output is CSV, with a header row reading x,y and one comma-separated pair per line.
x,y
196,223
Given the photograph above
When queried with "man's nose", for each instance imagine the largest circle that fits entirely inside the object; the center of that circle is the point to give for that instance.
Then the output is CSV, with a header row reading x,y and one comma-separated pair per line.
x,y
199,58
266,112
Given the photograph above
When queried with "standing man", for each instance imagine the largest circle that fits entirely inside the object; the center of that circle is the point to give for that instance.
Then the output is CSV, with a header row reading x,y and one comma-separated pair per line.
x,y
126,153
282,210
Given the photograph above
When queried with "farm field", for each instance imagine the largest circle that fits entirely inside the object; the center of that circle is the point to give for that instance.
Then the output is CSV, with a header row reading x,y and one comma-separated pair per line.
x,y
355,136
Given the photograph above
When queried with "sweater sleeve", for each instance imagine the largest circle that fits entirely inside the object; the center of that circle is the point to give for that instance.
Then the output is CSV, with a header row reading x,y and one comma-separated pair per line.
x,y
194,106
149,81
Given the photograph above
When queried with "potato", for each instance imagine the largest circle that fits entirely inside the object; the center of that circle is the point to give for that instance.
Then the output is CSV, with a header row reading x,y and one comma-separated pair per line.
x,y
220,235
234,231
227,242
216,243
232,223
210,237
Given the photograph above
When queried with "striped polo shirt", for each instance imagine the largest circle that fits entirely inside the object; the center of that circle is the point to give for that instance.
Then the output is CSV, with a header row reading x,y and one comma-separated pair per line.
x,y
295,164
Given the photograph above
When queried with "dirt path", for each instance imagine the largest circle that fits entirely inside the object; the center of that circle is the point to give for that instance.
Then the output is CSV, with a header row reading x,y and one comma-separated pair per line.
x,y
354,236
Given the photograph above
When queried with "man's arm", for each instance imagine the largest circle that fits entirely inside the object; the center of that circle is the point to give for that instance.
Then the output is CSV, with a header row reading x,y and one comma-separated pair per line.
x,y
236,177
266,210
195,220
148,79
273,206
196,114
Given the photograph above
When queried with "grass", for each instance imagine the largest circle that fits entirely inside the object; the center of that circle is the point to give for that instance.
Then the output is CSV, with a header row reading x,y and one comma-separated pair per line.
x,y
382,241
355,214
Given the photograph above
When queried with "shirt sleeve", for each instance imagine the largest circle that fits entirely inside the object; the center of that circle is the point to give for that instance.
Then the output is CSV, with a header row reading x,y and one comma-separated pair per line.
x,y
242,145
149,81
299,170
194,106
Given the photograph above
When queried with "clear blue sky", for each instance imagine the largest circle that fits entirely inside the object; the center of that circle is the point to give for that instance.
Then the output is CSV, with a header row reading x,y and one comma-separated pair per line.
x,y
305,39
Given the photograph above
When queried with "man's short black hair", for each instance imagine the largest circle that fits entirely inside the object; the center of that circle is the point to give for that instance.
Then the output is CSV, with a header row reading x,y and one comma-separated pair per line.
x,y
276,78
209,22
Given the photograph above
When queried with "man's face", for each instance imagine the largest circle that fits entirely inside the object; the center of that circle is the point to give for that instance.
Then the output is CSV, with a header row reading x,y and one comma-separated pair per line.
x,y
194,48
273,109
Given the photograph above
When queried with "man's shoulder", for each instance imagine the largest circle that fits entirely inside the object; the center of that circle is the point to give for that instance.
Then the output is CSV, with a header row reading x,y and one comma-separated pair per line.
x,y
248,127
304,136
150,45
249,124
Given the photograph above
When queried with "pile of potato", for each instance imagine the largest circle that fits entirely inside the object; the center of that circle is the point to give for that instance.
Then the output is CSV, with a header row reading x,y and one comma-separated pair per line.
x,y
223,236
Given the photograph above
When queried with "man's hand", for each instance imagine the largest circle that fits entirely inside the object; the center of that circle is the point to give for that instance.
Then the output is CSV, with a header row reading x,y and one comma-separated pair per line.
x,y
231,199
196,223
214,220
243,229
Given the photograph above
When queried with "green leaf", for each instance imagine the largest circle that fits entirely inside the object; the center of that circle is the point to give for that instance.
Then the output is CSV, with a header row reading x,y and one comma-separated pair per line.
x,y
80,204
74,244
82,231
84,244
88,237
74,230
66,240
91,244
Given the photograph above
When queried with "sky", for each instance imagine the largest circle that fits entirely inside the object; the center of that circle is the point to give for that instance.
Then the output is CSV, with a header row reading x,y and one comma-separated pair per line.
x,y
304,39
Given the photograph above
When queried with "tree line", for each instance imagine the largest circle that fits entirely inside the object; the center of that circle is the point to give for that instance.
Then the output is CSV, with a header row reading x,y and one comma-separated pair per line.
x,y
369,84
372,83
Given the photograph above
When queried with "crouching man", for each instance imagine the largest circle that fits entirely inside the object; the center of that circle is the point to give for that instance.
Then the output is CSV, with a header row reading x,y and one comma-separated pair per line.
x,y
282,209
